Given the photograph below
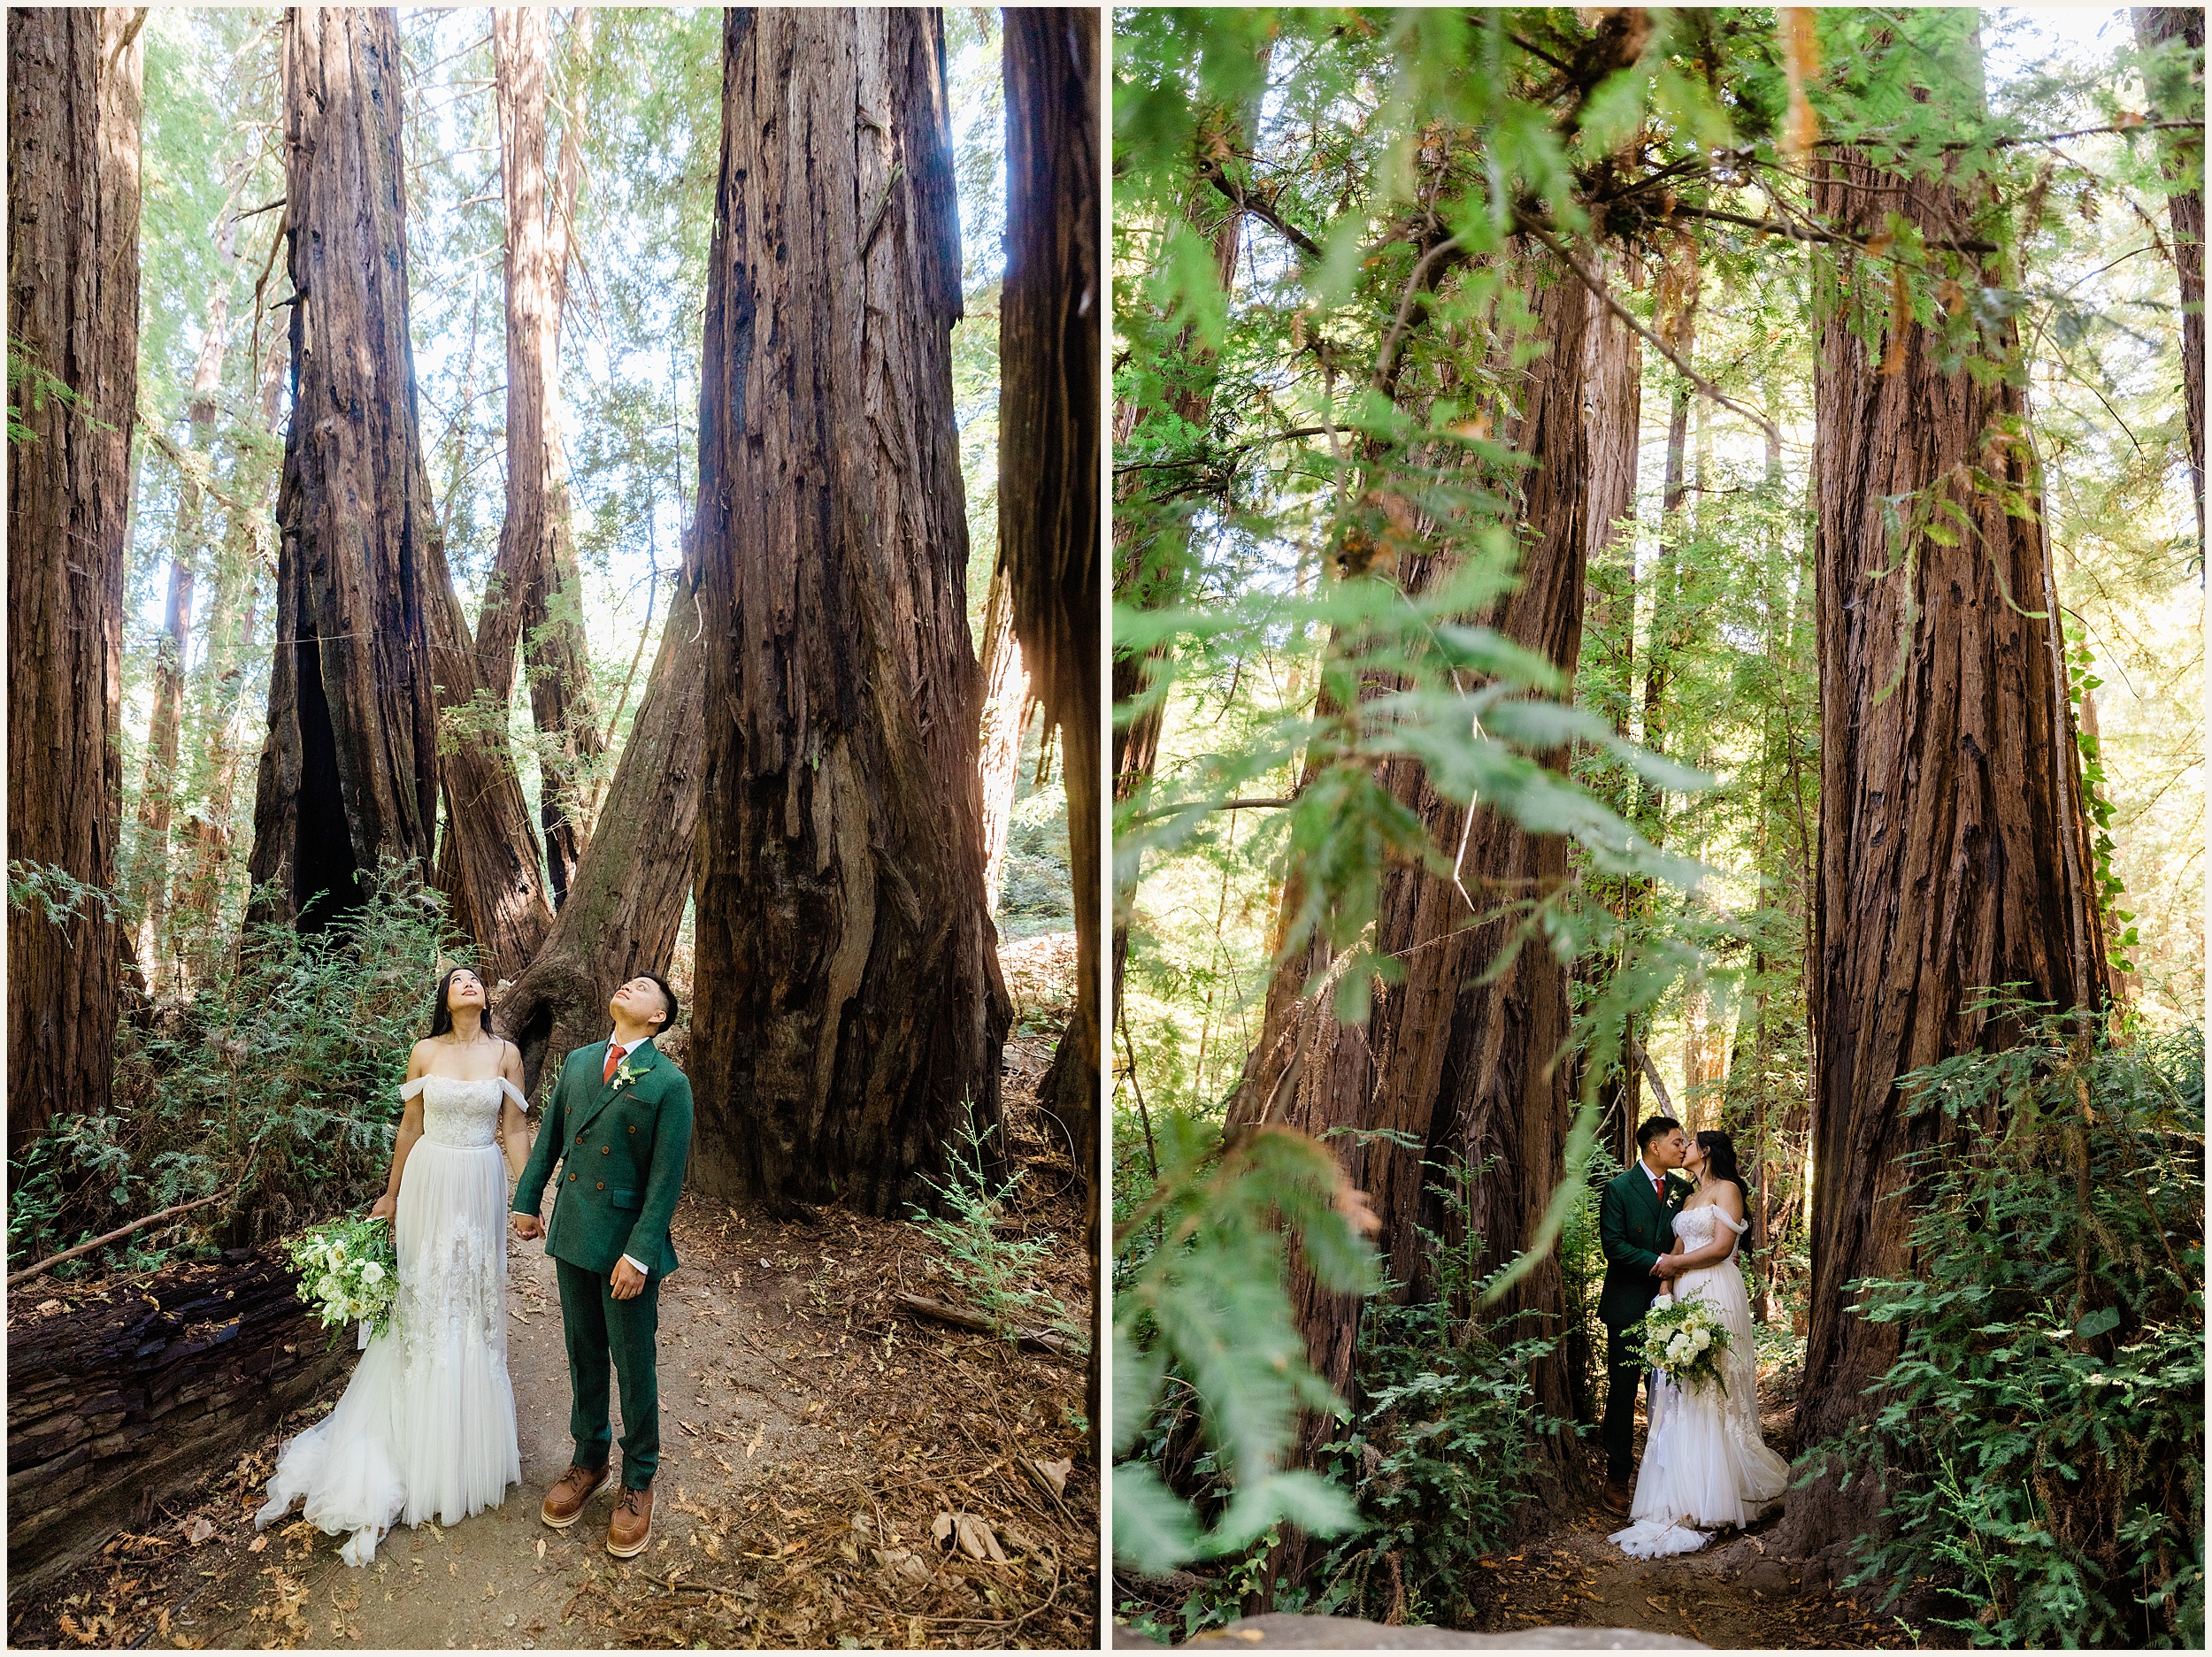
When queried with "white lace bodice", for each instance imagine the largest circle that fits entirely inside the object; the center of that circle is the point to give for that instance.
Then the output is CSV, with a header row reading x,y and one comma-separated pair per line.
x,y
460,1113
1695,1228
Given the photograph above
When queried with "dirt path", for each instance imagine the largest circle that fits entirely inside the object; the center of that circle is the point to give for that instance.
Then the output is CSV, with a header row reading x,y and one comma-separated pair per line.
x,y
1736,1594
502,1579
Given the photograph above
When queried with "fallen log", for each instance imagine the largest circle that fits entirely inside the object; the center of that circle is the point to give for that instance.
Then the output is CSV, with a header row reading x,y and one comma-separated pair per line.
x,y
128,1398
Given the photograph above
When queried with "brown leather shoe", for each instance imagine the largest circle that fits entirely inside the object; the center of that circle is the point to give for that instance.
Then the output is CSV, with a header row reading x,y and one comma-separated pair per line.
x,y
632,1526
1616,1498
564,1502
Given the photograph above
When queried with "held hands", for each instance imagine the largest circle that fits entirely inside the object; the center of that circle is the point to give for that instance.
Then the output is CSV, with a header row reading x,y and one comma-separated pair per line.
x,y
628,1281
527,1227
1666,1267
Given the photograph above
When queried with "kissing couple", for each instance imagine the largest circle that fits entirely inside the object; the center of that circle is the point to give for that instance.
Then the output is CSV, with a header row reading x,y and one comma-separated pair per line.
x,y
1705,1465
426,1426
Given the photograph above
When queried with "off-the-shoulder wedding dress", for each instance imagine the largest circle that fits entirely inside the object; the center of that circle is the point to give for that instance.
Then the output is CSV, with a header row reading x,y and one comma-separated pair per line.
x,y
426,1426
1704,1462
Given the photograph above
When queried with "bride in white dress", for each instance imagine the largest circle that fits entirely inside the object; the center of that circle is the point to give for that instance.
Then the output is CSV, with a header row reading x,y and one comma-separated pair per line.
x,y
1705,1464
426,1426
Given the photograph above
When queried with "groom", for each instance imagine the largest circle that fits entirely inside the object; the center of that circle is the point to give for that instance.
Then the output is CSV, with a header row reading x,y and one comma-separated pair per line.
x,y
620,1122
1635,1226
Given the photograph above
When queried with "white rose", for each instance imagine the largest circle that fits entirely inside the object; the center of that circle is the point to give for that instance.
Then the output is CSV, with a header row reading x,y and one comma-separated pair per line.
x,y
1702,1340
372,1273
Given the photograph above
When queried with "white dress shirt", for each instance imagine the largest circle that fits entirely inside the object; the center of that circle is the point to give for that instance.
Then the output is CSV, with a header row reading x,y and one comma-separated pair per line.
x,y
621,1053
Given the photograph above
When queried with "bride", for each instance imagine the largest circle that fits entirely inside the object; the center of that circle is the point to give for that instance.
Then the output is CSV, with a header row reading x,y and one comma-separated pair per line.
x,y
426,1427
1704,1462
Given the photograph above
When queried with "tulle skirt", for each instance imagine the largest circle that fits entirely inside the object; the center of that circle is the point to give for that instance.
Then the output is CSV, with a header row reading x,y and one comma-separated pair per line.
x,y
1705,1464
426,1426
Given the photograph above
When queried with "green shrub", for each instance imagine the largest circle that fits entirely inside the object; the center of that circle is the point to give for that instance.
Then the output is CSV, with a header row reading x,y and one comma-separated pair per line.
x,y
280,1076
2041,1435
997,1274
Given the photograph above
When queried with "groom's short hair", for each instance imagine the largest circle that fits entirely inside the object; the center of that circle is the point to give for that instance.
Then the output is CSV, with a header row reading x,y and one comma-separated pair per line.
x,y
667,995
1658,1127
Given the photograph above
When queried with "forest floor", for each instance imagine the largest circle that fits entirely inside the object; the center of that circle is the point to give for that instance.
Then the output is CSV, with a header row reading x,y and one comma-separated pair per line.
x,y
813,1436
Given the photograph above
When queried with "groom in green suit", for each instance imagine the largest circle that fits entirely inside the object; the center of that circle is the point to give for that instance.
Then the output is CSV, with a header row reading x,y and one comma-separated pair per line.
x,y
1635,1227
619,1125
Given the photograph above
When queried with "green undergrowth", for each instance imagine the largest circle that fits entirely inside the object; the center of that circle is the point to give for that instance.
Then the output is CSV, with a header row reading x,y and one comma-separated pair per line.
x,y
2041,1435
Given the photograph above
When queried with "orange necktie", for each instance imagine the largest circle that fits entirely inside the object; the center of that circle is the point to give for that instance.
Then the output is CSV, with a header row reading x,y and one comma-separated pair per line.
x,y
614,1058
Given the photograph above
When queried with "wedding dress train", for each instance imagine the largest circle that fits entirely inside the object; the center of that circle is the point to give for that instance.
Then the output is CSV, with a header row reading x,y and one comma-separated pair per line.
x,y
1705,1464
426,1426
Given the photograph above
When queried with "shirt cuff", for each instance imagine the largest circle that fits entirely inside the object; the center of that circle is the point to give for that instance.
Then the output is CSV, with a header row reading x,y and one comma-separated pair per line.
x,y
638,1267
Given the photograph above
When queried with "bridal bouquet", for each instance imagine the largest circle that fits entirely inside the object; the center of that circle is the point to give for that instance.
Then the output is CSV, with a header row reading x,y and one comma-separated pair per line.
x,y
1685,1338
348,1272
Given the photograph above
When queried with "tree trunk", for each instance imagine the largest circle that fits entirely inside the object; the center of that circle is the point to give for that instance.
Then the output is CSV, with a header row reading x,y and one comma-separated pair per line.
x,y
1471,1071
1006,705
626,903
1612,417
2184,160
1953,848
74,102
520,51
1049,506
536,588
349,774
1049,509
850,1011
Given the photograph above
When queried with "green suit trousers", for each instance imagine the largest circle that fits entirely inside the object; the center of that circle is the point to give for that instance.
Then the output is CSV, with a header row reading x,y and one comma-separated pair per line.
x,y
600,1331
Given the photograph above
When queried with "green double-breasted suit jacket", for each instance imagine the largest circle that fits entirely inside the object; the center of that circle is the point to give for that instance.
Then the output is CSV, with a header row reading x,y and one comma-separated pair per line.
x,y
619,1150
1634,1228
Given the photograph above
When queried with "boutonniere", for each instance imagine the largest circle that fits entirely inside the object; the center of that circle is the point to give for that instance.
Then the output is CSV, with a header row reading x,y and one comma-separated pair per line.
x,y
624,1076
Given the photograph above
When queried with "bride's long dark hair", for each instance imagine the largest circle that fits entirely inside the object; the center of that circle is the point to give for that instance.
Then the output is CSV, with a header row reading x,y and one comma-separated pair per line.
x,y
1720,1154
441,1010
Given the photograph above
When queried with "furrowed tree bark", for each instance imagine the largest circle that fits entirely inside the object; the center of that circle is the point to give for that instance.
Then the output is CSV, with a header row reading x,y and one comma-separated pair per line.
x,y
1048,507
850,1011
75,80
1612,418
626,903
522,38
1954,853
1049,512
2156,26
350,772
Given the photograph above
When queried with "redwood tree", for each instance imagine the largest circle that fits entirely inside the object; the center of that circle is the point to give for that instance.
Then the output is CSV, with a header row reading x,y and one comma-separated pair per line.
x,y
1954,854
1048,507
73,101
349,775
849,1007
1466,1072
536,586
